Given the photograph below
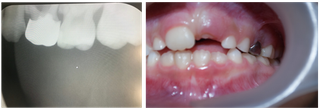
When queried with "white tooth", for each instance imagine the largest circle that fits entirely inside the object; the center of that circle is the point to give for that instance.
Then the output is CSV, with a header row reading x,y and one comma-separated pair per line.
x,y
263,60
119,23
148,50
218,57
13,23
179,38
244,45
250,58
229,42
235,55
182,59
153,58
78,28
201,57
267,51
45,29
167,59
158,44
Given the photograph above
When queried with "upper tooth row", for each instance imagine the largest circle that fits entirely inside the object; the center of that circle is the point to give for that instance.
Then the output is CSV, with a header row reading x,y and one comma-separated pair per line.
x,y
181,38
200,58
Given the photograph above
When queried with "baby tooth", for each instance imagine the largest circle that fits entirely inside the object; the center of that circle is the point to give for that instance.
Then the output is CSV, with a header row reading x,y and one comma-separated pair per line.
x,y
263,60
182,59
119,24
267,51
229,42
235,55
244,45
158,44
148,50
218,57
201,57
179,38
167,59
250,58
13,23
153,58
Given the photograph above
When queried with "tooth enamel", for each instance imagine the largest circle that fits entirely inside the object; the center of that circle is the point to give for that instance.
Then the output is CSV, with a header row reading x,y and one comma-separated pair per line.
x,y
179,38
267,51
244,45
182,59
13,23
78,28
201,57
45,30
250,58
119,23
148,50
153,58
158,44
263,60
167,59
229,42
235,55
218,57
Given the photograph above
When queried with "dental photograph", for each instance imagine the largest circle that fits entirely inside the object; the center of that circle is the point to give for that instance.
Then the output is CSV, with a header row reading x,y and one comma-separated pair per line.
x,y
71,55
232,55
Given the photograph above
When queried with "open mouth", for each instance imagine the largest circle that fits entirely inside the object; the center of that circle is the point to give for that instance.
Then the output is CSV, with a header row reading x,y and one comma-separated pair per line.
x,y
197,51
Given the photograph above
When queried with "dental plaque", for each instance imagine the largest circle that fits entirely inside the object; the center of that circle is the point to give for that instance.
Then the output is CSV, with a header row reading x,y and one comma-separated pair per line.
x,y
197,51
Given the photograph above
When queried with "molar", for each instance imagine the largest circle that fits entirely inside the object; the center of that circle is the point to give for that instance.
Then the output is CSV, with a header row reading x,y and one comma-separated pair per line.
x,y
244,45
153,58
218,57
158,44
13,23
263,60
179,38
201,57
229,42
250,58
267,51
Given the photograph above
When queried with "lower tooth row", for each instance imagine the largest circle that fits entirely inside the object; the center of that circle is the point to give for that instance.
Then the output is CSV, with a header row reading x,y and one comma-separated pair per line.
x,y
201,58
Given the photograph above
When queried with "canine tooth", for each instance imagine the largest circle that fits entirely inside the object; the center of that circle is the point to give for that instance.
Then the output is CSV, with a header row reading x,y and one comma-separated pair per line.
x,y
45,29
158,44
179,38
235,55
255,49
229,42
167,59
263,60
153,58
218,57
119,23
267,51
201,57
13,23
250,58
182,59
148,50
244,45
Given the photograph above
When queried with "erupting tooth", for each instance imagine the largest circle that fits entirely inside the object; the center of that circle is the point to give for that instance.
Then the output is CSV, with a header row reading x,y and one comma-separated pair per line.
x,y
179,38
167,59
235,55
201,57
182,59
244,45
250,58
229,42
153,58
267,51
148,50
218,57
45,29
78,28
263,60
158,44
119,23
13,24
